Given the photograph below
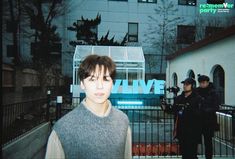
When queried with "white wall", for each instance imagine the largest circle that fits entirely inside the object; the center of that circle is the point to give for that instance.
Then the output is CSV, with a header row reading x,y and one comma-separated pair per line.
x,y
203,60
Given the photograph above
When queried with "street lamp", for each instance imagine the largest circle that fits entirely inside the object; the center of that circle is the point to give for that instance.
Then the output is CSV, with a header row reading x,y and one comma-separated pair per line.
x,y
59,101
48,104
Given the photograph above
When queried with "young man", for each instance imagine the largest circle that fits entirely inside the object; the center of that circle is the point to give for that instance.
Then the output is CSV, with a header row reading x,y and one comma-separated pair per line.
x,y
210,106
186,109
94,129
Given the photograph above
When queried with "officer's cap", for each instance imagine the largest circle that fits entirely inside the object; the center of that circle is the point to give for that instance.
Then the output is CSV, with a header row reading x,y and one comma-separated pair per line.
x,y
188,81
203,78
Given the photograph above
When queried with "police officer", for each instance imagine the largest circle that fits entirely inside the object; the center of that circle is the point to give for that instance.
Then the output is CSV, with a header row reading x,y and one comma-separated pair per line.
x,y
186,109
210,106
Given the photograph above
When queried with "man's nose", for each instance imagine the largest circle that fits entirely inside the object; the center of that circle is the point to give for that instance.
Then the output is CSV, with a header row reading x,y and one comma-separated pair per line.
x,y
99,84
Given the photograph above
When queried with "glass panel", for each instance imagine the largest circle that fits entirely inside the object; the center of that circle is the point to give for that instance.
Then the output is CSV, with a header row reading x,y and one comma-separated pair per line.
x,y
120,74
133,29
118,53
132,76
82,52
100,50
134,53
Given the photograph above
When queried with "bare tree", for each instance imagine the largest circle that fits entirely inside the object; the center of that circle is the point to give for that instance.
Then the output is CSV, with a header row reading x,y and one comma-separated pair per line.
x,y
163,35
23,14
46,38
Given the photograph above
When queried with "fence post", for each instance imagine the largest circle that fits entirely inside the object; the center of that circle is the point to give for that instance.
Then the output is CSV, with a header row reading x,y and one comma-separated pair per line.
x,y
48,105
59,101
233,123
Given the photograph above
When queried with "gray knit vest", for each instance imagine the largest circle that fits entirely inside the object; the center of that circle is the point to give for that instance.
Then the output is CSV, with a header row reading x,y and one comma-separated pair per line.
x,y
84,135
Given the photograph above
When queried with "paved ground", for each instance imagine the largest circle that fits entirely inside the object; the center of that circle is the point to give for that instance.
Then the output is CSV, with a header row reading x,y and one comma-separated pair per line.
x,y
173,157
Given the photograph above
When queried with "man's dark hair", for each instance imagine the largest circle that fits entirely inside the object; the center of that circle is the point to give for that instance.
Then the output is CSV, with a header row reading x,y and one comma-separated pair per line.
x,y
88,66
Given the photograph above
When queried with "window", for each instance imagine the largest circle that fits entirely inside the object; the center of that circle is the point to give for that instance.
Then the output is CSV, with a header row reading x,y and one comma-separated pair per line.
x,y
185,34
215,1
175,79
187,2
8,77
147,1
191,74
50,1
118,0
10,26
34,47
218,81
133,32
10,51
56,48
33,23
212,30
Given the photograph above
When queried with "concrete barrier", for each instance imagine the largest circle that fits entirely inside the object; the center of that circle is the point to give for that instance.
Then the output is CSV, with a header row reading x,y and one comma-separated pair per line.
x,y
31,145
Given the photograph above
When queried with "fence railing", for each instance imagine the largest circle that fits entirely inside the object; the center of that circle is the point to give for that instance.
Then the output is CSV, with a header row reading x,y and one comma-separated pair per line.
x,y
226,134
19,118
152,133
152,129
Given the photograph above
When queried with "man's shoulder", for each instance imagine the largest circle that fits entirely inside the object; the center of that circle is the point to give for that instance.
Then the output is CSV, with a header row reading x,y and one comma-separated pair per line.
x,y
68,118
120,114
213,92
179,97
197,95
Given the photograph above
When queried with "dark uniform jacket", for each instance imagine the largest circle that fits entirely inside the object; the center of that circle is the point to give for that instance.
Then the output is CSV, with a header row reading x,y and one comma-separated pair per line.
x,y
187,117
209,107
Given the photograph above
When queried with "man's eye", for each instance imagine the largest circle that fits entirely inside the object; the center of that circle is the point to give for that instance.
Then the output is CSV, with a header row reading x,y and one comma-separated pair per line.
x,y
92,79
107,78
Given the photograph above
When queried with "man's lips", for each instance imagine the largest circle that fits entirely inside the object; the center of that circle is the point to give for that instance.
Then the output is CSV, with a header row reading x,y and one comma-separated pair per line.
x,y
99,94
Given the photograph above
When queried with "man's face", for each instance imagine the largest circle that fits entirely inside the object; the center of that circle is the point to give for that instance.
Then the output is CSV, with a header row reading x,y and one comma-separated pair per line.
x,y
204,84
187,87
97,86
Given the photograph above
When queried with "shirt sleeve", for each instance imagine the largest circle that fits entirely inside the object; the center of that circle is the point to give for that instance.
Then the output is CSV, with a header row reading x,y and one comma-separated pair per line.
x,y
128,146
54,147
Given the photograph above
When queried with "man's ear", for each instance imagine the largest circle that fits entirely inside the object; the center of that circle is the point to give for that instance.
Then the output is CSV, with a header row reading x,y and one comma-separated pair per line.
x,y
82,85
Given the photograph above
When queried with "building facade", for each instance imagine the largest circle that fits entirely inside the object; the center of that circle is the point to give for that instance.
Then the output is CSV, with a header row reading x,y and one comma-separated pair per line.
x,y
159,27
143,21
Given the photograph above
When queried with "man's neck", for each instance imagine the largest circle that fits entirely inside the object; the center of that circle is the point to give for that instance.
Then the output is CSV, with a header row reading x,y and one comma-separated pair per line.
x,y
98,109
188,93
